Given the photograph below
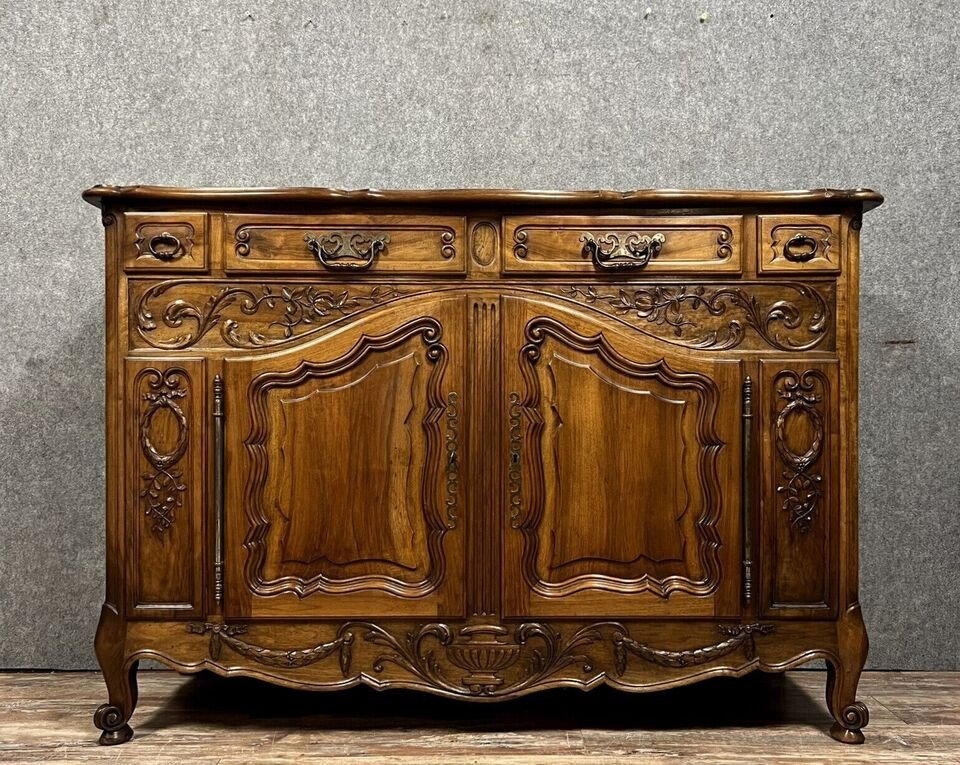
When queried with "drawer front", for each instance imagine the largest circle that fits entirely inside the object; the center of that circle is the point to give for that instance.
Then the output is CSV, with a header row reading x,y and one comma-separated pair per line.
x,y
620,245
345,244
165,241
796,243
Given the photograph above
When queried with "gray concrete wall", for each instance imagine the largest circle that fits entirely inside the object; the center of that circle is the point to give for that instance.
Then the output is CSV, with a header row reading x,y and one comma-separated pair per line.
x,y
487,93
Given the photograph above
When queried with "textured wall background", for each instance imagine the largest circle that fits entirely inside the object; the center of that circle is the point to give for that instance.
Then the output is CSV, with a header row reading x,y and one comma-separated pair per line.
x,y
484,93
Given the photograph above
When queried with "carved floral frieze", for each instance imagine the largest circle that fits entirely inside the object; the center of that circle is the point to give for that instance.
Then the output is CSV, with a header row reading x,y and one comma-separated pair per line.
x,y
174,315
787,317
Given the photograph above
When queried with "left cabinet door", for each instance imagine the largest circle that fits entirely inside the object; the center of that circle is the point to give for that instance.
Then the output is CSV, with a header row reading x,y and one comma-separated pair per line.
x,y
342,460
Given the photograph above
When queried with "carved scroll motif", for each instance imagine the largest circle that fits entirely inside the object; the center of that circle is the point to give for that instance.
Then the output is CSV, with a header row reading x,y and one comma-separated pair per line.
x,y
686,315
280,313
480,651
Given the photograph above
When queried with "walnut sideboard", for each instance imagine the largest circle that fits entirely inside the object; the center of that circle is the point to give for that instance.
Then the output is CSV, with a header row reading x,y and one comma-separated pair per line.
x,y
481,443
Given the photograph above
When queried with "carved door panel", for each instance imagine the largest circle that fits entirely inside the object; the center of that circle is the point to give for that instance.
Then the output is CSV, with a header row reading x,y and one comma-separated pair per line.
x,y
342,470
623,480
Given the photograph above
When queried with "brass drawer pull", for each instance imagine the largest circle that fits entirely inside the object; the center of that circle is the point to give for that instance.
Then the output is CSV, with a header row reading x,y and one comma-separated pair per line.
x,y
613,251
165,246
347,250
800,248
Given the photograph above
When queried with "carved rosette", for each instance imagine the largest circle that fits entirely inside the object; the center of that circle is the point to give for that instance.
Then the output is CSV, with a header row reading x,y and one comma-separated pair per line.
x,y
715,318
801,483
485,660
163,487
250,316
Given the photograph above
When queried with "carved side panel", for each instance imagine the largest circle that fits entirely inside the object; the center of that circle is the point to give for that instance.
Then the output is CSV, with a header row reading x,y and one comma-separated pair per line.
x,y
345,464
799,487
621,483
165,410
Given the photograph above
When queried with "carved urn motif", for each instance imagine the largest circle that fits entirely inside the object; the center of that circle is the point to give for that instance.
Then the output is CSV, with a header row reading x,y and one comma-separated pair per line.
x,y
483,655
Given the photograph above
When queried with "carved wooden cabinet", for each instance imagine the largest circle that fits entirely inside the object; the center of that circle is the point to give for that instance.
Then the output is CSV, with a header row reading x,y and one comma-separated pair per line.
x,y
481,443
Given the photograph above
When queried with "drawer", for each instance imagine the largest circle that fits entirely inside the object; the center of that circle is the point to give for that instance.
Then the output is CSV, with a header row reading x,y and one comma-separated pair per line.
x,y
799,243
620,245
164,241
348,244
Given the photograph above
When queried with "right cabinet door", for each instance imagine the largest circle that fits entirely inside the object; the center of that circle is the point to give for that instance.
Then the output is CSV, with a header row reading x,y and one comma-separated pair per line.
x,y
623,476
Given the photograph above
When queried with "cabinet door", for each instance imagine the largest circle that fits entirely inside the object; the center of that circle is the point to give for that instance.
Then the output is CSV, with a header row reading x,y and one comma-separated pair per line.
x,y
623,479
342,471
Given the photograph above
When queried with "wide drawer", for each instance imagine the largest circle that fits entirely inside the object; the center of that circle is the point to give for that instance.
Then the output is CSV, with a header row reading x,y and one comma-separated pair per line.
x,y
350,244
622,245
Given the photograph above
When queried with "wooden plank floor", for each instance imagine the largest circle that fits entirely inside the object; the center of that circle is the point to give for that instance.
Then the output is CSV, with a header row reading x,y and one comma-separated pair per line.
x,y
914,718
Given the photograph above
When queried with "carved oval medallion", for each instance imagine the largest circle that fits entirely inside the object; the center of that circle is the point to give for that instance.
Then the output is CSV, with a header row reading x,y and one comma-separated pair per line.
x,y
484,240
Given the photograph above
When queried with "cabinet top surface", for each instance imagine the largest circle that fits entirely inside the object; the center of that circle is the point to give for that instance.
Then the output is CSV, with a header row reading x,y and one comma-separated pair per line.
x,y
313,198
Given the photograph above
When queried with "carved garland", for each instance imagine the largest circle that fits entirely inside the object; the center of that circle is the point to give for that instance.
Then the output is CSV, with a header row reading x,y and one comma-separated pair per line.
x,y
452,460
514,466
226,634
737,635
801,487
671,307
294,312
163,488
485,652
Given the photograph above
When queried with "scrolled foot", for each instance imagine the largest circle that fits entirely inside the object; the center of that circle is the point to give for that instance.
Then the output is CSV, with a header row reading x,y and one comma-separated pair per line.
x,y
855,716
109,719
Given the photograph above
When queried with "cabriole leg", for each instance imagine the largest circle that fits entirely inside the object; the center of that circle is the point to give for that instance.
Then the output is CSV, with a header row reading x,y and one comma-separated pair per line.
x,y
112,718
850,716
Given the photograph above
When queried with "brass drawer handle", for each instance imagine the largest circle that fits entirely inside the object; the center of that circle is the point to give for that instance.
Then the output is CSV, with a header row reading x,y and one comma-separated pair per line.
x,y
800,248
610,251
347,250
165,246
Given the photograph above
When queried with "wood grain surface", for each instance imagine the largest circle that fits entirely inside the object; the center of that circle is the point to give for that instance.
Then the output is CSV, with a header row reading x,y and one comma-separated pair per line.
x,y
915,718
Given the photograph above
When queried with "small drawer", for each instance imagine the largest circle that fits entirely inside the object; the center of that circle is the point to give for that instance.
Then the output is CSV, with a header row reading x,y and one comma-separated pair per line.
x,y
799,243
345,244
165,241
620,245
